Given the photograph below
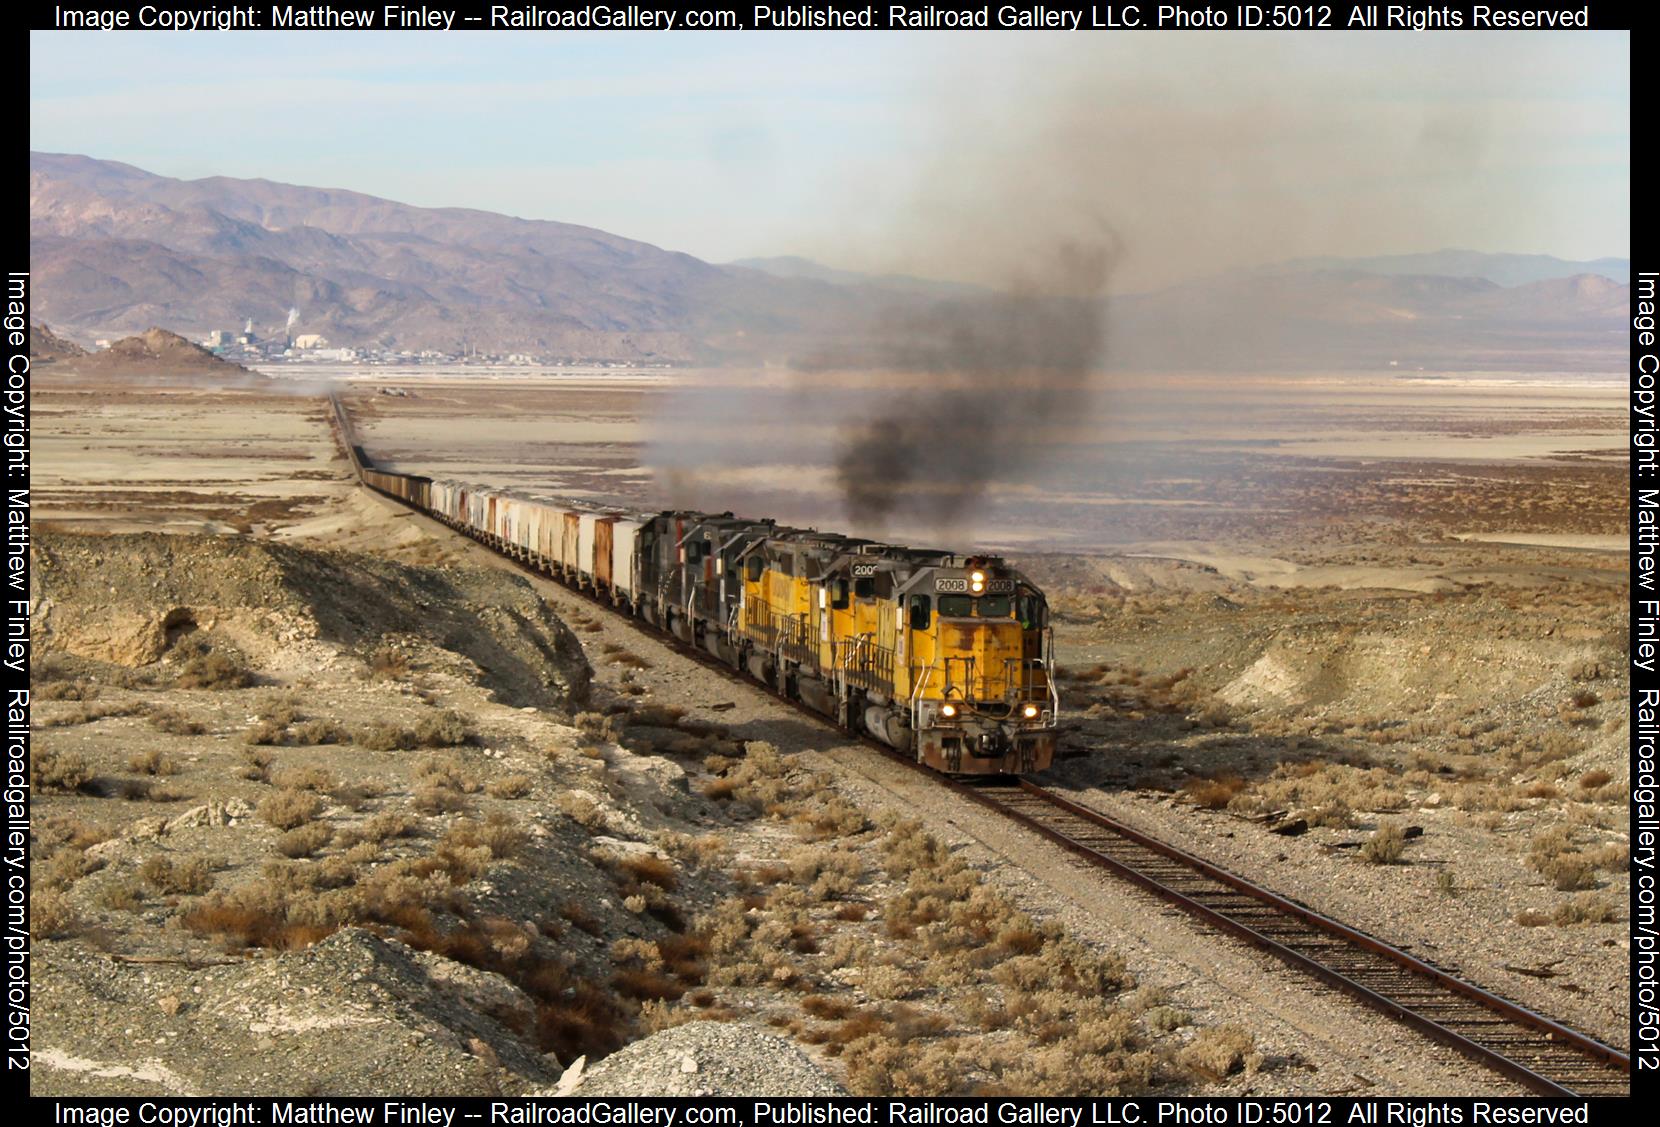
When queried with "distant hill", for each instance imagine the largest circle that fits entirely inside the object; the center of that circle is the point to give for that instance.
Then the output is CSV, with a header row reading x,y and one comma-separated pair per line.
x,y
154,356
1505,269
45,346
115,249
1349,319
792,266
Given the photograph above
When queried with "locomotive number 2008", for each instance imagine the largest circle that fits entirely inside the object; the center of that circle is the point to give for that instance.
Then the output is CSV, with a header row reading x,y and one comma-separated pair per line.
x,y
960,586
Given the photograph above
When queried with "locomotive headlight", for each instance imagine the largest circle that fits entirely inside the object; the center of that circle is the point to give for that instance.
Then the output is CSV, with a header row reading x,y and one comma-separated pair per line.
x,y
977,581
1030,712
948,710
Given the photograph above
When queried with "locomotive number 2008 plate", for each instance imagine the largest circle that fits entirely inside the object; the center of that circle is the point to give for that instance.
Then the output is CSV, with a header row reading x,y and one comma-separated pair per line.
x,y
960,586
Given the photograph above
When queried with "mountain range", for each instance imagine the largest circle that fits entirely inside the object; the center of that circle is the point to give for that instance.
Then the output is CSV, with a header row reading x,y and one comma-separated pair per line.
x,y
115,250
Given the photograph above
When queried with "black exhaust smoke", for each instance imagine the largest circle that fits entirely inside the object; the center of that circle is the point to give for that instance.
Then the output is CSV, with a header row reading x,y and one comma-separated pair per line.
x,y
996,370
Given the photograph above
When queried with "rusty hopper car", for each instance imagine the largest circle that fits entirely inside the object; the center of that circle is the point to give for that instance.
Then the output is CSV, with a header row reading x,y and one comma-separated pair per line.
x,y
944,656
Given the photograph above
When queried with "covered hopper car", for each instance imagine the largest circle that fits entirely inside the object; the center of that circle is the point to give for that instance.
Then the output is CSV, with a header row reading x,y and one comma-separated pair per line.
x,y
943,656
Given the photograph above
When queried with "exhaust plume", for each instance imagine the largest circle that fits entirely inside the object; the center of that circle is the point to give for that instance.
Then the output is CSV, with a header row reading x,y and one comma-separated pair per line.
x,y
996,371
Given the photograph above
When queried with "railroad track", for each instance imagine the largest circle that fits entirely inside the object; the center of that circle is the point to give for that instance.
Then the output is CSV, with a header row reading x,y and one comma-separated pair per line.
x,y
1540,1054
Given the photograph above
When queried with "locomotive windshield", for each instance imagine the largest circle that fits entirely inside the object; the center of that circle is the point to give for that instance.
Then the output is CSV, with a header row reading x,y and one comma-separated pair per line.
x,y
967,606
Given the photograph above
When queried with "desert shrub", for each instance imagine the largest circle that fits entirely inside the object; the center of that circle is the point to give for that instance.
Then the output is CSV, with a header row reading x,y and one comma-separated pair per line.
x,y
1165,1019
64,867
1586,908
433,799
581,809
290,808
446,771
497,833
265,733
387,663
447,729
220,668
121,894
313,732
75,689
151,762
889,982
1551,854
1386,844
1212,793
188,876
578,916
384,737
1220,1050
303,841
58,770
304,778
387,825
174,722
509,786
57,831
640,869
1591,780
826,1007
256,765
51,916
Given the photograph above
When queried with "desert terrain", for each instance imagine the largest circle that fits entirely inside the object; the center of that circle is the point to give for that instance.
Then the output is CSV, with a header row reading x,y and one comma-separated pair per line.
x,y
331,799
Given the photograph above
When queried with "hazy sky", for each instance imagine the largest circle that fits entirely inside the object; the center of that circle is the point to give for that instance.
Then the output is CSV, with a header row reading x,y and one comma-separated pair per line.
x,y
902,151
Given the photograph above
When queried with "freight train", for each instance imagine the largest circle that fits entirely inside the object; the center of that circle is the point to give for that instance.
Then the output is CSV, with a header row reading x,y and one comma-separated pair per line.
x,y
945,657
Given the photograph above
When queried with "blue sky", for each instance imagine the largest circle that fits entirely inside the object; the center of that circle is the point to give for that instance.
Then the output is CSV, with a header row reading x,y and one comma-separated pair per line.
x,y
935,153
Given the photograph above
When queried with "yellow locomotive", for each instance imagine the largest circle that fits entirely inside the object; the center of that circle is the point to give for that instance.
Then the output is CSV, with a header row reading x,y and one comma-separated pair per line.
x,y
946,657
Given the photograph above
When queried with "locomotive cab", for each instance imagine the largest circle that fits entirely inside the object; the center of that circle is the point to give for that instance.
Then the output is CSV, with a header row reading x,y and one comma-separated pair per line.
x,y
976,645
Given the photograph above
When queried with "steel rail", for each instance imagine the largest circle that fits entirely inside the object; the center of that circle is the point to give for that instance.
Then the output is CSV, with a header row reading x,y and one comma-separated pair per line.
x,y
1553,1034
1547,1034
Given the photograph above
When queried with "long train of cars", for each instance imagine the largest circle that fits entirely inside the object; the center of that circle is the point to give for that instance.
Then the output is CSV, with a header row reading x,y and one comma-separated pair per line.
x,y
946,657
